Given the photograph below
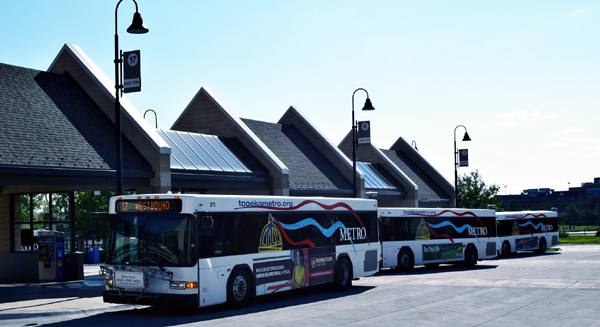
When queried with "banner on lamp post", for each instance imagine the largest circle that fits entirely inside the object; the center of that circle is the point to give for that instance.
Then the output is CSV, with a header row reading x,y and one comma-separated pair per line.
x,y
364,132
463,158
132,81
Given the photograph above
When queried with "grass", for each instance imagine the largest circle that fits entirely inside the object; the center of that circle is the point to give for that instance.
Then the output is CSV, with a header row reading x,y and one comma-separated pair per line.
x,y
580,240
573,228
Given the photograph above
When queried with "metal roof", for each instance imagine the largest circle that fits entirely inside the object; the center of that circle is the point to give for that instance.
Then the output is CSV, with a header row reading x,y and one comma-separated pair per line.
x,y
194,151
373,178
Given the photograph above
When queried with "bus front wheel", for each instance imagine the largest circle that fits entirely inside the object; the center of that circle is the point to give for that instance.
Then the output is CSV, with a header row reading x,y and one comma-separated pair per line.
x,y
505,249
470,256
240,288
406,262
343,274
542,246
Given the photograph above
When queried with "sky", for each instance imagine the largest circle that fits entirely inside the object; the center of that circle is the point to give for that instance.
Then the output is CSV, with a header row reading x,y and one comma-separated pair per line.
x,y
522,76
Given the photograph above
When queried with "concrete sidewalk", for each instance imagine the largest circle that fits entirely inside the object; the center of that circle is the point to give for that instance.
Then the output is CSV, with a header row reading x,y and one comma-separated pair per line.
x,y
41,300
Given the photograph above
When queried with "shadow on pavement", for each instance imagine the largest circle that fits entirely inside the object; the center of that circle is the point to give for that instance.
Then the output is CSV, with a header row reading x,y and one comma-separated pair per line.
x,y
86,288
521,255
419,270
150,316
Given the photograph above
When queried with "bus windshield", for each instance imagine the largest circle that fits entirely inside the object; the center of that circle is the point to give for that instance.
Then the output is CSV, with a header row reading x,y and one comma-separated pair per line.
x,y
152,239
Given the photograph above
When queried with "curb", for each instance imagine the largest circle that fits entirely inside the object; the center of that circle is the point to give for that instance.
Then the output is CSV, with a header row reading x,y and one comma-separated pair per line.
x,y
84,311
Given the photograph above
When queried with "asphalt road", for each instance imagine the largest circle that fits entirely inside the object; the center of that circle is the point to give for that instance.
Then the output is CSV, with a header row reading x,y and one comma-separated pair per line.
x,y
558,289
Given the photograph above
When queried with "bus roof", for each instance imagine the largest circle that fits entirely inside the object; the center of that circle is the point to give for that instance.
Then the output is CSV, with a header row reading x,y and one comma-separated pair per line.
x,y
435,212
507,215
192,203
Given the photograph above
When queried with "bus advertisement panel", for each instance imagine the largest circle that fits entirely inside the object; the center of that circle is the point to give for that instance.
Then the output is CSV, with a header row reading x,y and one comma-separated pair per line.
x,y
432,236
526,231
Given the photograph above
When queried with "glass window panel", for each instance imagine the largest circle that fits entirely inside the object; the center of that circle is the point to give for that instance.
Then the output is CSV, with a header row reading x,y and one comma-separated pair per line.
x,y
65,230
372,177
223,153
203,140
21,206
41,207
188,151
23,237
226,154
207,162
40,227
60,206
177,154
362,167
380,183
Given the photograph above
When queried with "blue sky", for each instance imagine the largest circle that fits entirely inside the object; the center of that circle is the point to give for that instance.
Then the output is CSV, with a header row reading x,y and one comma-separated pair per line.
x,y
523,76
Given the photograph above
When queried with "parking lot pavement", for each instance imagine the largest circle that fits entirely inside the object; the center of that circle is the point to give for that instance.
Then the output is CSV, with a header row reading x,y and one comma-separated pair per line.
x,y
558,289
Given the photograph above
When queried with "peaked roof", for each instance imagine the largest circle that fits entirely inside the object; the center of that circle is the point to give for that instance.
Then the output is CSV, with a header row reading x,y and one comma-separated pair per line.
x,y
48,120
308,167
432,185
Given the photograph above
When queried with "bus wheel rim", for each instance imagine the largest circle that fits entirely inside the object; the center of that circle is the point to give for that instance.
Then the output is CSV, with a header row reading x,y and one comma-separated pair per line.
x,y
404,260
240,287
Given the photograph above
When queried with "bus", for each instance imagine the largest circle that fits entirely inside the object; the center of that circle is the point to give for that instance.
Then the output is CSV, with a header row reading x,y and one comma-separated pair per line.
x,y
419,236
526,231
203,250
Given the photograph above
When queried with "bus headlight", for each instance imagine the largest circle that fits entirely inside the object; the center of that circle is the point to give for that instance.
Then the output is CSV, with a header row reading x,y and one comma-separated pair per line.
x,y
109,282
183,285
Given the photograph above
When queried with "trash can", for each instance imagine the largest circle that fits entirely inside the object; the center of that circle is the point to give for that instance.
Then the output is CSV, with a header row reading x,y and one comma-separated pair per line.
x,y
74,265
94,254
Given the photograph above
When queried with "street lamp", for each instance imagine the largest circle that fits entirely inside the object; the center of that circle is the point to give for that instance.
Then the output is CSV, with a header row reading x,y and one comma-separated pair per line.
x,y
136,27
155,117
466,138
414,145
367,107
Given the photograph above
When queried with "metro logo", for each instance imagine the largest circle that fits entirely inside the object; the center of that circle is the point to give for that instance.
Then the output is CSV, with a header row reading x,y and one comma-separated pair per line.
x,y
353,234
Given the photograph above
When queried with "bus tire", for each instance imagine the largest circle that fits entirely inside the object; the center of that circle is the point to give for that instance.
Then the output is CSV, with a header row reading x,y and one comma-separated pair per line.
x,y
542,246
342,274
240,288
406,260
506,250
470,256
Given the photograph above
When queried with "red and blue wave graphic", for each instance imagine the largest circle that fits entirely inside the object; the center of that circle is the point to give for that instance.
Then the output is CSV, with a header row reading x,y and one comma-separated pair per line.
x,y
327,232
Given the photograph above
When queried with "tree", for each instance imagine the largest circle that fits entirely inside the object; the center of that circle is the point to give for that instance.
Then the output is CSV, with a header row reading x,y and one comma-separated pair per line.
x,y
474,193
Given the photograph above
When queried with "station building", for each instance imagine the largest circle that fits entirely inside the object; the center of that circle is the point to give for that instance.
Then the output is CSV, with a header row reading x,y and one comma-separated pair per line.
x,y
58,138
422,184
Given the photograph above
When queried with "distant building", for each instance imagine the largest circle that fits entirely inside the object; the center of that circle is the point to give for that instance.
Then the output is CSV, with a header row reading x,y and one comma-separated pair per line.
x,y
587,196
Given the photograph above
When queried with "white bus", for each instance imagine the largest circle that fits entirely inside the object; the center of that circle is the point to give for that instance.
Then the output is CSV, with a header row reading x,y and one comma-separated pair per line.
x,y
526,231
419,236
203,250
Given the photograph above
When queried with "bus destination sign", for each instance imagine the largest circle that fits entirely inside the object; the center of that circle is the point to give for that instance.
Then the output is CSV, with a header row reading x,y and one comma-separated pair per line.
x,y
148,205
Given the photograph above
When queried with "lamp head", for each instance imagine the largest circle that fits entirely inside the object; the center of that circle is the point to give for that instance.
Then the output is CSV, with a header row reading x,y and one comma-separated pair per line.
x,y
466,137
137,25
368,105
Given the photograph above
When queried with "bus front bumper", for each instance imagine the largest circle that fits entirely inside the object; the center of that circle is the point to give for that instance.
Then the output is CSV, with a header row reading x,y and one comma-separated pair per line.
x,y
178,300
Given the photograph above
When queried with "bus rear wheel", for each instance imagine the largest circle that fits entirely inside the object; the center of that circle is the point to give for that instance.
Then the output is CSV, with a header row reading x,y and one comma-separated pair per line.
x,y
542,246
343,274
240,288
505,252
470,256
406,262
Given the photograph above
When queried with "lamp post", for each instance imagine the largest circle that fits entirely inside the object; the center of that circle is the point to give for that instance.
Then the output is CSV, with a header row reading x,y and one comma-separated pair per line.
x,y
367,107
414,145
465,139
155,117
136,27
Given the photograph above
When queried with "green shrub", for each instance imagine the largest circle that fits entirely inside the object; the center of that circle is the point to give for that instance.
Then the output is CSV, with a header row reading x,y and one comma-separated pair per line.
x,y
598,233
563,233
